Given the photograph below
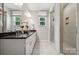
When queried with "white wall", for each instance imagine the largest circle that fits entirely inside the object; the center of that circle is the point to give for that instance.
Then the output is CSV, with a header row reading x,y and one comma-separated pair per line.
x,y
16,12
43,31
57,27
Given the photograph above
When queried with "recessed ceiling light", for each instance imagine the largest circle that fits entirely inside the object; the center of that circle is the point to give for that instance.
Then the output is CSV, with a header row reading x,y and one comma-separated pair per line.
x,y
18,3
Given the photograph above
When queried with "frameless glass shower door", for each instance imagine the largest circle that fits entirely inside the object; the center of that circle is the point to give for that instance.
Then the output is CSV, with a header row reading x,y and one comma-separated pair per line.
x,y
69,34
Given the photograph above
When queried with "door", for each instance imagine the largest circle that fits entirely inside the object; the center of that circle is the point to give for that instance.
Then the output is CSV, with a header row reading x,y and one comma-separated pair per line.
x,y
69,35
12,46
52,27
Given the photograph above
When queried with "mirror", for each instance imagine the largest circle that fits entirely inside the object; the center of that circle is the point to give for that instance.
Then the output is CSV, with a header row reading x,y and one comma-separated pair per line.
x,y
11,17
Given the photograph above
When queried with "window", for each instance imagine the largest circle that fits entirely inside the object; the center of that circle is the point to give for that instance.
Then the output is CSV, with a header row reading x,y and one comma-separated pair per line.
x,y
17,20
42,21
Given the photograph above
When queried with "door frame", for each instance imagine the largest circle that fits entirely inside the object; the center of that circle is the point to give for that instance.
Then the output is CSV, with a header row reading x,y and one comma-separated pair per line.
x,y
52,21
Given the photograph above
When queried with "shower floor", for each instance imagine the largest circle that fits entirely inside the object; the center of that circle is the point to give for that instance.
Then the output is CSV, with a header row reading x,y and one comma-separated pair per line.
x,y
68,49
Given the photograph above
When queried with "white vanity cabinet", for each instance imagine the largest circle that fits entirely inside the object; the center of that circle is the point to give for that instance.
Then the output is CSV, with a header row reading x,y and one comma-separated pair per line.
x,y
12,46
17,46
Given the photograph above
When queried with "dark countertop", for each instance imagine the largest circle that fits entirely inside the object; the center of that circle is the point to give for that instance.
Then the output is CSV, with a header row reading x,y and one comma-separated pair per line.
x,y
12,35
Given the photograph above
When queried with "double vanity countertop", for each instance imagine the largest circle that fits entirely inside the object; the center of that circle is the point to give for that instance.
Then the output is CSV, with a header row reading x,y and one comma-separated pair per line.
x,y
12,35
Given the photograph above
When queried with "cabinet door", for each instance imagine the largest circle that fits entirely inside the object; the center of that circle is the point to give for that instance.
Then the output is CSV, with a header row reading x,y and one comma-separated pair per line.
x,y
12,46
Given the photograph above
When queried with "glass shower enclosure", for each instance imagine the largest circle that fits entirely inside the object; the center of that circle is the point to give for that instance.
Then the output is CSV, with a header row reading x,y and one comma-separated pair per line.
x,y
69,29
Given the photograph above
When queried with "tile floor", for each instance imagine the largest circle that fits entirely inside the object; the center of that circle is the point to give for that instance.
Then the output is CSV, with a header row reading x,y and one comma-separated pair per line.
x,y
68,49
44,48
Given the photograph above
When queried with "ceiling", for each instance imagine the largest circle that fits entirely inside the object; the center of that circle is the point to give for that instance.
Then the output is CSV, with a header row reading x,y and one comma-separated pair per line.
x,y
12,6
39,6
31,6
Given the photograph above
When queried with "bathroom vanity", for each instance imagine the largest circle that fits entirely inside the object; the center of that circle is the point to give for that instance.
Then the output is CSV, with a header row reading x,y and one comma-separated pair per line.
x,y
22,44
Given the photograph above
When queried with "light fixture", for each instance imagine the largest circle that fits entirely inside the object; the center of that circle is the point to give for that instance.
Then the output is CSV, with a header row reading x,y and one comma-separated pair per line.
x,y
28,14
18,3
